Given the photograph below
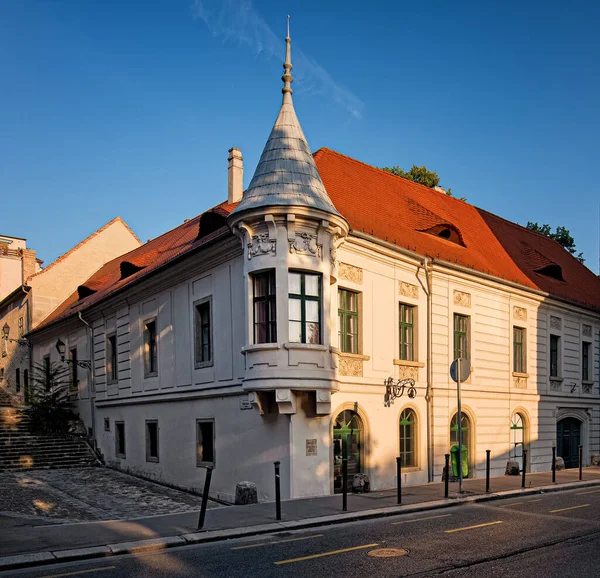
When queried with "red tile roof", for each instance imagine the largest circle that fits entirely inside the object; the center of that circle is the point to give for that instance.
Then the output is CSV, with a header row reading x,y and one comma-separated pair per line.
x,y
392,209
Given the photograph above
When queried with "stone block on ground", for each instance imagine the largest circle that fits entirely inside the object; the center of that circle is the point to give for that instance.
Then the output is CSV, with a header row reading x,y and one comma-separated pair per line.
x,y
246,493
560,463
360,483
512,468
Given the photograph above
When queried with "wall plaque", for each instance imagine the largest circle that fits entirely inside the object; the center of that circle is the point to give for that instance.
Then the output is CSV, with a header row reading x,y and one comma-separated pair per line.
x,y
311,447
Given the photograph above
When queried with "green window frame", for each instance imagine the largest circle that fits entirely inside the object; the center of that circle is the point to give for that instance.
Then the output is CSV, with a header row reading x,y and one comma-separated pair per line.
x,y
554,351
461,336
585,360
407,332
519,341
408,440
304,305
348,318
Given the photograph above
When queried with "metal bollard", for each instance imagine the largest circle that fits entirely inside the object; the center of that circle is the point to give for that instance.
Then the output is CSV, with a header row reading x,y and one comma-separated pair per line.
x,y
277,491
399,474
344,484
487,470
205,497
524,467
580,462
553,462
447,475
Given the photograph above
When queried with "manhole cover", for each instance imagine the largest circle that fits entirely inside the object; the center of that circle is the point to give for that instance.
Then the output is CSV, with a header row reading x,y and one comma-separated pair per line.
x,y
388,552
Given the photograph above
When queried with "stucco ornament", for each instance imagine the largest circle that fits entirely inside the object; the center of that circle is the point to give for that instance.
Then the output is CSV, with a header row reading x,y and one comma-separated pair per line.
x,y
408,290
262,245
305,243
408,372
555,384
520,313
520,382
586,330
586,387
555,322
351,367
350,273
461,298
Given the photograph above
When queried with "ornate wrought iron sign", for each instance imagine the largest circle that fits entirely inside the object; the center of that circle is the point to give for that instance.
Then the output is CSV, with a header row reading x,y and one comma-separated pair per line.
x,y
394,390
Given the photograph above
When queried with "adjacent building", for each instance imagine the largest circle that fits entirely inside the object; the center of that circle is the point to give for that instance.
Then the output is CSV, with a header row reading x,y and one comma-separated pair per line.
x,y
272,326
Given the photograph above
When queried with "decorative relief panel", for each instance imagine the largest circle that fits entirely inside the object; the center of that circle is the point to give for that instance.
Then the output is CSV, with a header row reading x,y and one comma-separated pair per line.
x,y
408,372
556,384
350,272
586,387
305,243
555,322
520,382
520,313
461,298
351,366
408,290
261,245
587,330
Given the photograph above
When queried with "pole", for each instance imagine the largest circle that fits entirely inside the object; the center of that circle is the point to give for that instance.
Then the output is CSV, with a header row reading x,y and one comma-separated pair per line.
x,y
344,475
524,467
447,476
399,475
205,497
277,491
580,462
487,470
553,462
460,475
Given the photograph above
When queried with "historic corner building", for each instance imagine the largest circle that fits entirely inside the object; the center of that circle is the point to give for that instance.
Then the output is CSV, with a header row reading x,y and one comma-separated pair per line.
x,y
264,330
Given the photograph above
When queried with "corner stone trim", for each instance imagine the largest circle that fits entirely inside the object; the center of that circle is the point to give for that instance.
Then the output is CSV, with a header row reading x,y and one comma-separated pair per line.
x,y
408,290
555,322
520,313
350,273
461,298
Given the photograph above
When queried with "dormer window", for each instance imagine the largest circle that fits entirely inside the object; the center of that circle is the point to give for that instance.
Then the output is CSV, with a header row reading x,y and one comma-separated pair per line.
x,y
83,292
209,223
446,231
554,271
127,269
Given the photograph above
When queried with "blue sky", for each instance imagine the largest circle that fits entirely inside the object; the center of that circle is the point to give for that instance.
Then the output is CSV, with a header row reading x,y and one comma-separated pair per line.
x,y
128,108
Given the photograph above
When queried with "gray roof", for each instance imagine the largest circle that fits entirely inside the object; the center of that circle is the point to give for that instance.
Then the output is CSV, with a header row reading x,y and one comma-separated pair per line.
x,y
286,174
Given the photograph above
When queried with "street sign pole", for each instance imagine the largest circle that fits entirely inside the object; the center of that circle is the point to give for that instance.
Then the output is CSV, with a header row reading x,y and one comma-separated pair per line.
x,y
460,473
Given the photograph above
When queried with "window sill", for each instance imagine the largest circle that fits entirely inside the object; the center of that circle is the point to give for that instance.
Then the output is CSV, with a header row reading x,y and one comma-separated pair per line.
x,y
153,460
556,379
518,374
353,355
408,363
260,347
203,364
410,469
149,375
305,346
121,456
587,382
205,465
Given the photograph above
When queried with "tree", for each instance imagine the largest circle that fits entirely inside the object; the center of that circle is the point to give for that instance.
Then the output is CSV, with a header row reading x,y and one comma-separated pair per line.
x,y
562,236
421,175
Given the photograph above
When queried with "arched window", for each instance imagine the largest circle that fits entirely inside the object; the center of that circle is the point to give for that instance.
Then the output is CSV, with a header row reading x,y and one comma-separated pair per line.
x,y
408,445
347,434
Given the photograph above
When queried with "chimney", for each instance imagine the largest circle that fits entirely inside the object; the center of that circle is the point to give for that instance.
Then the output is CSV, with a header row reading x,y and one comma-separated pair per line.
x,y
29,264
439,189
235,176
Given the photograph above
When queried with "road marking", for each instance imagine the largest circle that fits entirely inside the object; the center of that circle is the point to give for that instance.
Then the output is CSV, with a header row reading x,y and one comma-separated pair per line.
x,y
80,572
276,542
519,503
421,519
571,508
590,492
473,527
325,554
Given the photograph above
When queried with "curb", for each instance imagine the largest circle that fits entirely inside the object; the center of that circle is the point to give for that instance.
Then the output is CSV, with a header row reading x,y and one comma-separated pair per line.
x,y
156,544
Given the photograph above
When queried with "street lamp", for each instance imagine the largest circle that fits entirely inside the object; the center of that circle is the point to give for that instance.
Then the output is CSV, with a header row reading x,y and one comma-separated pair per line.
x,y
394,390
62,348
23,341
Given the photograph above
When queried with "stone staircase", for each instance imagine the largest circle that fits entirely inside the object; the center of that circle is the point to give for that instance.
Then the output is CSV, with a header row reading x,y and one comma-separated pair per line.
x,y
20,449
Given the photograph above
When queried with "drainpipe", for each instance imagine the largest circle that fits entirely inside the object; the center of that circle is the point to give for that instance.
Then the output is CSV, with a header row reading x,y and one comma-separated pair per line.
x,y
92,380
427,266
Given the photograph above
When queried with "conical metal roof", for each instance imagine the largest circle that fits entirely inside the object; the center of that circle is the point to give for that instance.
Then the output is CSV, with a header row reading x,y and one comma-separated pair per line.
x,y
286,174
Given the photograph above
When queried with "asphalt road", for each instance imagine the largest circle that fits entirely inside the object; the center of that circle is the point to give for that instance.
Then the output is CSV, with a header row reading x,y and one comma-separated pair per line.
x,y
547,535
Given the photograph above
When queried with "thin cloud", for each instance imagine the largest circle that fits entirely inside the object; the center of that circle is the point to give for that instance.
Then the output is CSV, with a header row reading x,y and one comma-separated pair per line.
x,y
237,21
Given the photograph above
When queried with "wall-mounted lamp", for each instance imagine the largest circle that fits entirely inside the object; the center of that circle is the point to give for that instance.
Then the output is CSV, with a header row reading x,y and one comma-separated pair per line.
x,y
23,341
62,348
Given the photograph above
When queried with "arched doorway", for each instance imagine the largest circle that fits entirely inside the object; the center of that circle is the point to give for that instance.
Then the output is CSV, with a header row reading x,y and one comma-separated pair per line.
x,y
466,436
347,438
517,439
568,438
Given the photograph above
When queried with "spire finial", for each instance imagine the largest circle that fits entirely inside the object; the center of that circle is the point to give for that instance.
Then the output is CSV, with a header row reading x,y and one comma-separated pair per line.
x,y
287,67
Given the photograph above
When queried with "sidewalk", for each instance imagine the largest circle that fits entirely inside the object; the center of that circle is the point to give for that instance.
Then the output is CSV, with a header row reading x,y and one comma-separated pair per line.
x,y
24,542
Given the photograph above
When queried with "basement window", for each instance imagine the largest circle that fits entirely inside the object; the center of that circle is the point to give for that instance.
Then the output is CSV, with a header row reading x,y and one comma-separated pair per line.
x,y
120,439
553,271
152,440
